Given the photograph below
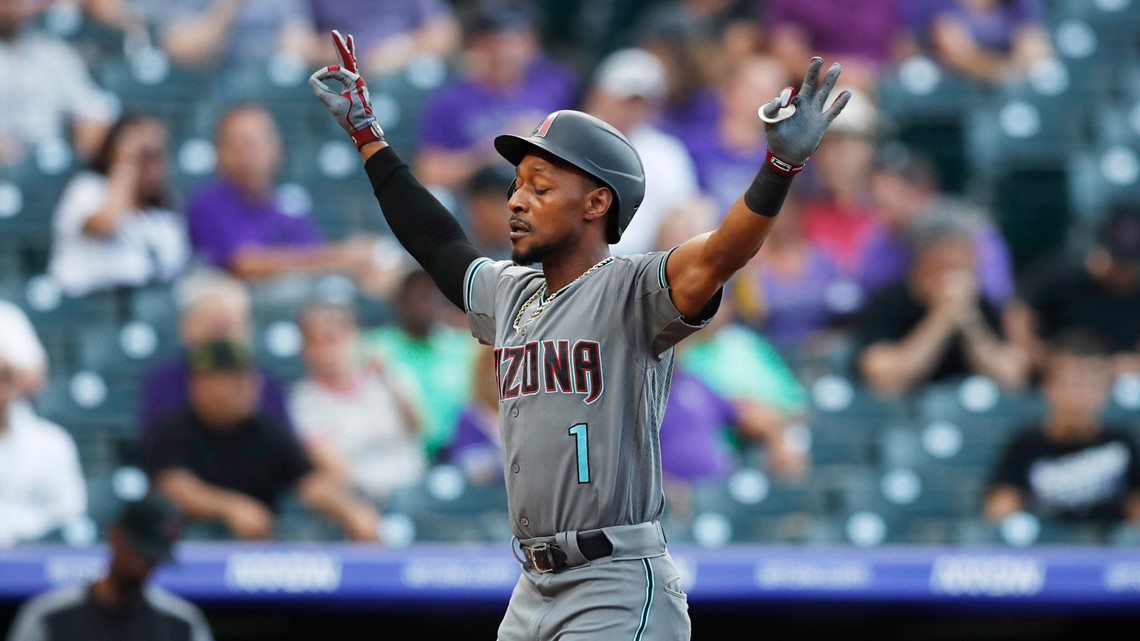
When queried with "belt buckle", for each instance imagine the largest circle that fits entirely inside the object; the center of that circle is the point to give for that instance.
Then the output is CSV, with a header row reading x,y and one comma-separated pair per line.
x,y
541,557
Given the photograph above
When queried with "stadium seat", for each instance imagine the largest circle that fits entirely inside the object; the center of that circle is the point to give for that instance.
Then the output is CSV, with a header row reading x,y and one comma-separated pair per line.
x,y
297,523
123,353
1123,408
978,403
844,419
1022,530
754,508
1124,535
85,403
56,316
28,197
445,507
149,83
961,425
924,106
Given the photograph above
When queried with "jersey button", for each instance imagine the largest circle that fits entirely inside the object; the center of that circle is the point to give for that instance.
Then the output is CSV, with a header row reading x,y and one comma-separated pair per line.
x,y
515,412
515,468
524,521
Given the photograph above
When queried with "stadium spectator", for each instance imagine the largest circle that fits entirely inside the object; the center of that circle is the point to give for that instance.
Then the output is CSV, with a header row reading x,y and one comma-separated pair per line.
x,y
792,292
704,433
727,149
626,91
231,34
389,34
222,460
70,107
934,325
41,483
486,210
864,34
212,305
1071,467
476,448
114,225
438,354
507,84
734,361
732,24
236,225
740,365
1101,294
691,101
123,603
356,417
990,40
904,185
21,348
839,215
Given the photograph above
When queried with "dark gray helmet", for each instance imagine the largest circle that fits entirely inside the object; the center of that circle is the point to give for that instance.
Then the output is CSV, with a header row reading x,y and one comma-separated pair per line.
x,y
596,148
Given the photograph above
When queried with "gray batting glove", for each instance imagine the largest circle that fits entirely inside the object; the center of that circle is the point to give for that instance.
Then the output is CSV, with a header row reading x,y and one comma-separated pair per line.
x,y
351,106
794,133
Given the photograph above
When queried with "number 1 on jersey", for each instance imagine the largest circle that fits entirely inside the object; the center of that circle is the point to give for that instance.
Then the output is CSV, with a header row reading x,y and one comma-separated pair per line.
x,y
582,440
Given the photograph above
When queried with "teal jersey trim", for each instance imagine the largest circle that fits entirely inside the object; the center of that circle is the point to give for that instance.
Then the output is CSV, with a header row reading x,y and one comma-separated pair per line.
x,y
648,601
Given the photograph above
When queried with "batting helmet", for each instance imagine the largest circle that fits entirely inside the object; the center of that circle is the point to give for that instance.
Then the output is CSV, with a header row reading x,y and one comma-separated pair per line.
x,y
596,148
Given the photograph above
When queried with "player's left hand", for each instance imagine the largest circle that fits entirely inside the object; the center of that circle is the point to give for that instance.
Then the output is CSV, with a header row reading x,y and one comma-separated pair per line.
x,y
351,106
794,133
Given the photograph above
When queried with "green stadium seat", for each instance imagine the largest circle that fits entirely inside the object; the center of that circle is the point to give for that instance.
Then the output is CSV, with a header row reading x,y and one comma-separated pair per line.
x,y
1023,530
445,507
845,418
86,403
924,106
750,507
978,404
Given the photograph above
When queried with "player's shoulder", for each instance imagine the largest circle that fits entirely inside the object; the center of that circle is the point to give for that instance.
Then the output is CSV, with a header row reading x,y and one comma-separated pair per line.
x,y
53,601
640,266
501,270
172,605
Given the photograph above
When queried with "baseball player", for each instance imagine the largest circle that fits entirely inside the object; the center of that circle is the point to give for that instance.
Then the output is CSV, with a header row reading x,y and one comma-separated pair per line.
x,y
583,345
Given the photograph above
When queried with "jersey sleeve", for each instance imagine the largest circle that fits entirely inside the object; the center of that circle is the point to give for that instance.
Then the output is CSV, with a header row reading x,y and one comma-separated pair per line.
x,y
29,624
480,285
656,317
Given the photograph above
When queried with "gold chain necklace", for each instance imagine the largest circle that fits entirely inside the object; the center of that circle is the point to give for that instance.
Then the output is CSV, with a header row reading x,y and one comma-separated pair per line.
x,y
541,291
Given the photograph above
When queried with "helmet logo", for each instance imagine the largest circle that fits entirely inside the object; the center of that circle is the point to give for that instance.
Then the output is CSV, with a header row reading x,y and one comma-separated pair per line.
x,y
544,127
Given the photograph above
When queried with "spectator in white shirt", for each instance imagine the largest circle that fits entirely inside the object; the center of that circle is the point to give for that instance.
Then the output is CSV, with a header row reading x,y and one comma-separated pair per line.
x,y
627,91
114,226
355,416
22,349
41,483
46,92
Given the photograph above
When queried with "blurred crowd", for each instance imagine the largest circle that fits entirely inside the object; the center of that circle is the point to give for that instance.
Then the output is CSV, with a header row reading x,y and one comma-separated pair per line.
x,y
882,271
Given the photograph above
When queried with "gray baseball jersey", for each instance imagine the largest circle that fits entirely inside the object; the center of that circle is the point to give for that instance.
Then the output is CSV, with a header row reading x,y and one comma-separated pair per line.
x,y
582,388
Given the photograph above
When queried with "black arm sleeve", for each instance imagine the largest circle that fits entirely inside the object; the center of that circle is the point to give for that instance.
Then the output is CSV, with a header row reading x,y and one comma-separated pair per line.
x,y
421,223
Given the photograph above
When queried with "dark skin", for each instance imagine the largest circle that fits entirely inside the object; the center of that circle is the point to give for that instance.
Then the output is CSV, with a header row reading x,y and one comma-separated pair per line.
x,y
126,574
548,188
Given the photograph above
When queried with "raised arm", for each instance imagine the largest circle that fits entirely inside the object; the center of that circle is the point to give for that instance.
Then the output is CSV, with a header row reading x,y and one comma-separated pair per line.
x,y
702,265
422,225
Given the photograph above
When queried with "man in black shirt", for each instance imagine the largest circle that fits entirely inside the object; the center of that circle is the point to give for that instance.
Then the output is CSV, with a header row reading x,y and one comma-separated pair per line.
x,y
121,605
934,325
1101,294
222,459
1070,467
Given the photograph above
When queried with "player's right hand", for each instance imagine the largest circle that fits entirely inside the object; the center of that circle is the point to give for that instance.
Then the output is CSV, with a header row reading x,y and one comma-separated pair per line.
x,y
351,106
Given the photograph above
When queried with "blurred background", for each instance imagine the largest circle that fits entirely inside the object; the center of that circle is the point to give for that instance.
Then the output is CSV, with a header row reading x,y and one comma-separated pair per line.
x,y
937,349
